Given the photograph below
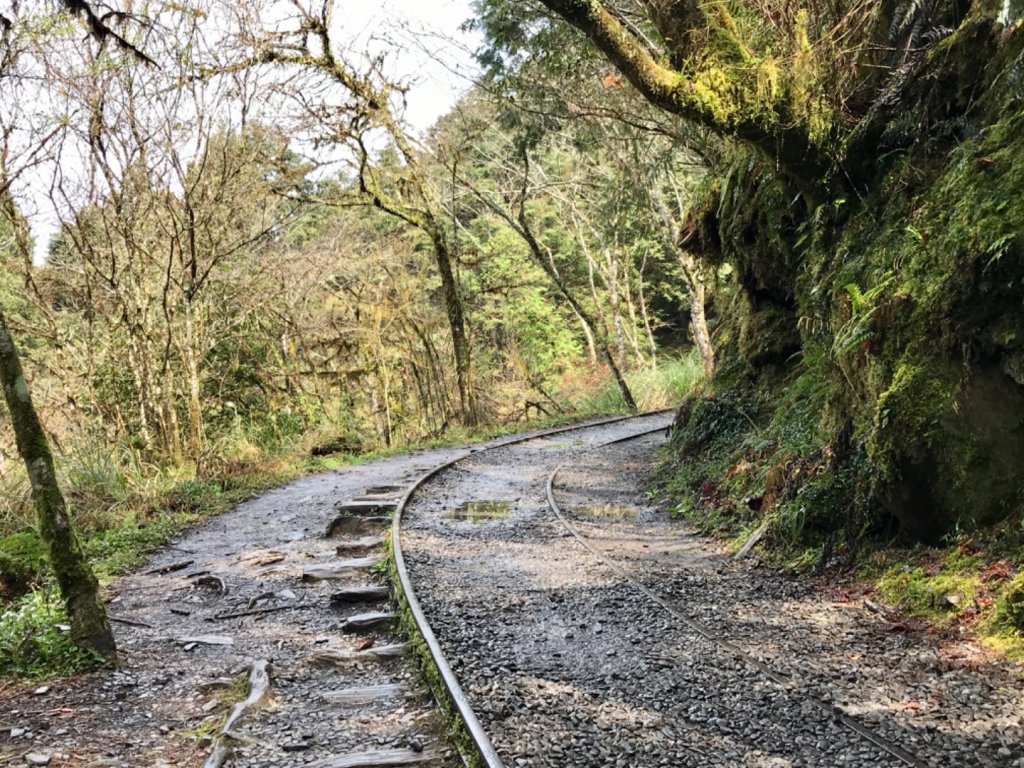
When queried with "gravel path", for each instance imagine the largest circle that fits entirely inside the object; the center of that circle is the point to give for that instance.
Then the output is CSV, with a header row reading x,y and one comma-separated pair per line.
x,y
568,664
169,698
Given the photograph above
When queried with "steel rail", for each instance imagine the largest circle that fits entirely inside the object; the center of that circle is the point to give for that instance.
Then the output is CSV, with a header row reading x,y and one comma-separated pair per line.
x,y
476,732
833,710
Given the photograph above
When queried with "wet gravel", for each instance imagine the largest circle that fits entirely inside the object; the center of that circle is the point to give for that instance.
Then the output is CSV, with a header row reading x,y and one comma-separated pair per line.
x,y
161,707
568,664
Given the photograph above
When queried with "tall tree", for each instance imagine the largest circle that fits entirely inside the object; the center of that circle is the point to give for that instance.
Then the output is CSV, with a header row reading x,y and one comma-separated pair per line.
x,y
78,586
368,111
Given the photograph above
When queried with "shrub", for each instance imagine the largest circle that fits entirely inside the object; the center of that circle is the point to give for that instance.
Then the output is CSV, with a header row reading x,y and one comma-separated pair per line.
x,y
34,639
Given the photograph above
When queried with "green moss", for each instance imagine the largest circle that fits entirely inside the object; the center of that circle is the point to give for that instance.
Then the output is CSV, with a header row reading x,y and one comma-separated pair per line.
x,y
940,591
22,562
35,643
968,585
1011,605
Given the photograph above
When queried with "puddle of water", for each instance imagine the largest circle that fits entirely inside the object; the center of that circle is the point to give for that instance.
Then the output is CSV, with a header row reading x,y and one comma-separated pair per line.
x,y
608,510
479,511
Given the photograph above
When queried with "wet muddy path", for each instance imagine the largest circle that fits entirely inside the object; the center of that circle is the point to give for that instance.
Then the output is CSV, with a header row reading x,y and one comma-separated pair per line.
x,y
245,587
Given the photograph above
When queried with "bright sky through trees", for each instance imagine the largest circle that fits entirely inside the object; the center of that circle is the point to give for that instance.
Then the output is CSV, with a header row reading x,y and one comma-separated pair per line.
x,y
423,46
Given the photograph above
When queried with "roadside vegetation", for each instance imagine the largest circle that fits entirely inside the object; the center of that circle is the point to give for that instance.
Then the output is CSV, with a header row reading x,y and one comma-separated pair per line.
x,y
802,222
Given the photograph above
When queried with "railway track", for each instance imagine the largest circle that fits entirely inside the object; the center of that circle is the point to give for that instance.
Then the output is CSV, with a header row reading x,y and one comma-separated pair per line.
x,y
452,691
642,648
555,652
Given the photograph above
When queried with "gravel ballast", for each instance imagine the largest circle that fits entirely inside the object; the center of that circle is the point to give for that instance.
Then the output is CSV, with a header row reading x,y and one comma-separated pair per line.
x,y
568,663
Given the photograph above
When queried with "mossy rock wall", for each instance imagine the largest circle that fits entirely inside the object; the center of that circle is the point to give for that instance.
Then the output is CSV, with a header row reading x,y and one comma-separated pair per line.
x,y
904,307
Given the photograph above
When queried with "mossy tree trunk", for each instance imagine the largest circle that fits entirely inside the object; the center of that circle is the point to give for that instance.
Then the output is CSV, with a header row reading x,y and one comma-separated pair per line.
x,y
78,586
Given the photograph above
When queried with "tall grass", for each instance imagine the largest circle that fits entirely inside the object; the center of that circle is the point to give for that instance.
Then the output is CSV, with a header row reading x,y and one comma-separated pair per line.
x,y
662,386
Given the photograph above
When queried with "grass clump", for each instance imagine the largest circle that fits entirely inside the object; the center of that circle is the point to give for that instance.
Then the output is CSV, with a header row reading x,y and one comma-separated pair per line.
x,y
662,386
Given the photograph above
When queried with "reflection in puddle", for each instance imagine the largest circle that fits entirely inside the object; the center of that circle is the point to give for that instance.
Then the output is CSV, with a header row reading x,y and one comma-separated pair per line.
x,y
608,510
479,511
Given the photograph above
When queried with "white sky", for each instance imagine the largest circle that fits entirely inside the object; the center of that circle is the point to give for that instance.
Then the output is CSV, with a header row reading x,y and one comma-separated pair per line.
x,y
424,48
427,31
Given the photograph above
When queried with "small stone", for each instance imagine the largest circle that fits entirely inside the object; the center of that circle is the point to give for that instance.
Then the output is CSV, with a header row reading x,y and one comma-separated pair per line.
x,y
16,732
41,690
37,758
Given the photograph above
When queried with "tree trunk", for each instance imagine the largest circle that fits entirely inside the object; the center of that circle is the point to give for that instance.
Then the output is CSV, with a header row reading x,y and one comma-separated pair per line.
x,y
457,325
633,333
78,586
694,282
548,266
589,336
612,271
699,325
651,343
195,402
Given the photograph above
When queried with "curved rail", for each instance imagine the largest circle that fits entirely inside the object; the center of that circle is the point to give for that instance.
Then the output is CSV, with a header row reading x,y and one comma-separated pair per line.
x,y
834,711
458,697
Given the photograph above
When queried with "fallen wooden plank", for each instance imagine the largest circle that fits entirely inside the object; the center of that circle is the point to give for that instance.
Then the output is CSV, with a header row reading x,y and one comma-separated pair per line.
x,y
375,758
336,658
340,570
364,594
751,542
364,694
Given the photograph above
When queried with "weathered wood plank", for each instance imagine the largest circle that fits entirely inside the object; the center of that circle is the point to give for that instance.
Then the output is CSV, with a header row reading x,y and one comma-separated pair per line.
x,y
375,758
